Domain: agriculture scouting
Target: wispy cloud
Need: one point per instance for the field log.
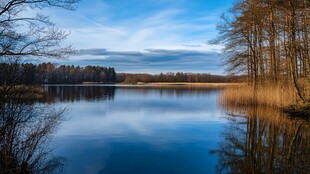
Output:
(152, 33)
(188, 45)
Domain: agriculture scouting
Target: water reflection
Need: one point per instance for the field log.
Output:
(263, 140)
(172, 129)
(68, 93)
(25, 130)
(144, 129)
(171, 90)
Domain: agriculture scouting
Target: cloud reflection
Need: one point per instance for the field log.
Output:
(141, 113)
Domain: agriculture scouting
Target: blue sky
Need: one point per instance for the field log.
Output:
(141, 36)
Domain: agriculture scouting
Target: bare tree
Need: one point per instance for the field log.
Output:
(23, 34)
(25, 126)
(269, 41)
(25, 129)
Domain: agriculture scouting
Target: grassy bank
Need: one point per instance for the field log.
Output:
(276, 96)
(273, 96)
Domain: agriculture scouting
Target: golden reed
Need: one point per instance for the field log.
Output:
(278, 96)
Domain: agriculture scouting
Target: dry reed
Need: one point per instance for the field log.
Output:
(279, 96)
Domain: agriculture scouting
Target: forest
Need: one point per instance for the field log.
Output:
(268, 41)
(49, 73)
(176, 77)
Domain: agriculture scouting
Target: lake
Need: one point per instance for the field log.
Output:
(172, 129)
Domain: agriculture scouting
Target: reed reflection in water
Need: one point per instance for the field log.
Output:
(26, 129)
(263, 140)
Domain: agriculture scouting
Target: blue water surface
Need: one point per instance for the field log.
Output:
(137, 129)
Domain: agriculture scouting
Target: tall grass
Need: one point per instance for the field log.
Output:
(278, 96)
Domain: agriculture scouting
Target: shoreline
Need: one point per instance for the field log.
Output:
(158, 84)
(191, 84)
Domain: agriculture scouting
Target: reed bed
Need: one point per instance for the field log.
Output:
(278, 96)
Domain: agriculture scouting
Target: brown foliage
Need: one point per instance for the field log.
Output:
(269, 42)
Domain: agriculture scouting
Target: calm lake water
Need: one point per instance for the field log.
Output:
(172, 129)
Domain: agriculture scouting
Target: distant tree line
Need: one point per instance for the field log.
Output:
(176, 77)
(269, 41)
(49, 73)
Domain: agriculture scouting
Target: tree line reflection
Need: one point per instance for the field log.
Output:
(67, 93)
(263, 140)
(172, 90)
(78, 93)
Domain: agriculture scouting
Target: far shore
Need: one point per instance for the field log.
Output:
(192, 84)
(165, 84)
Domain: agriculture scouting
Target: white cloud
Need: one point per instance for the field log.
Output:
(163, 29)
(97, 25)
